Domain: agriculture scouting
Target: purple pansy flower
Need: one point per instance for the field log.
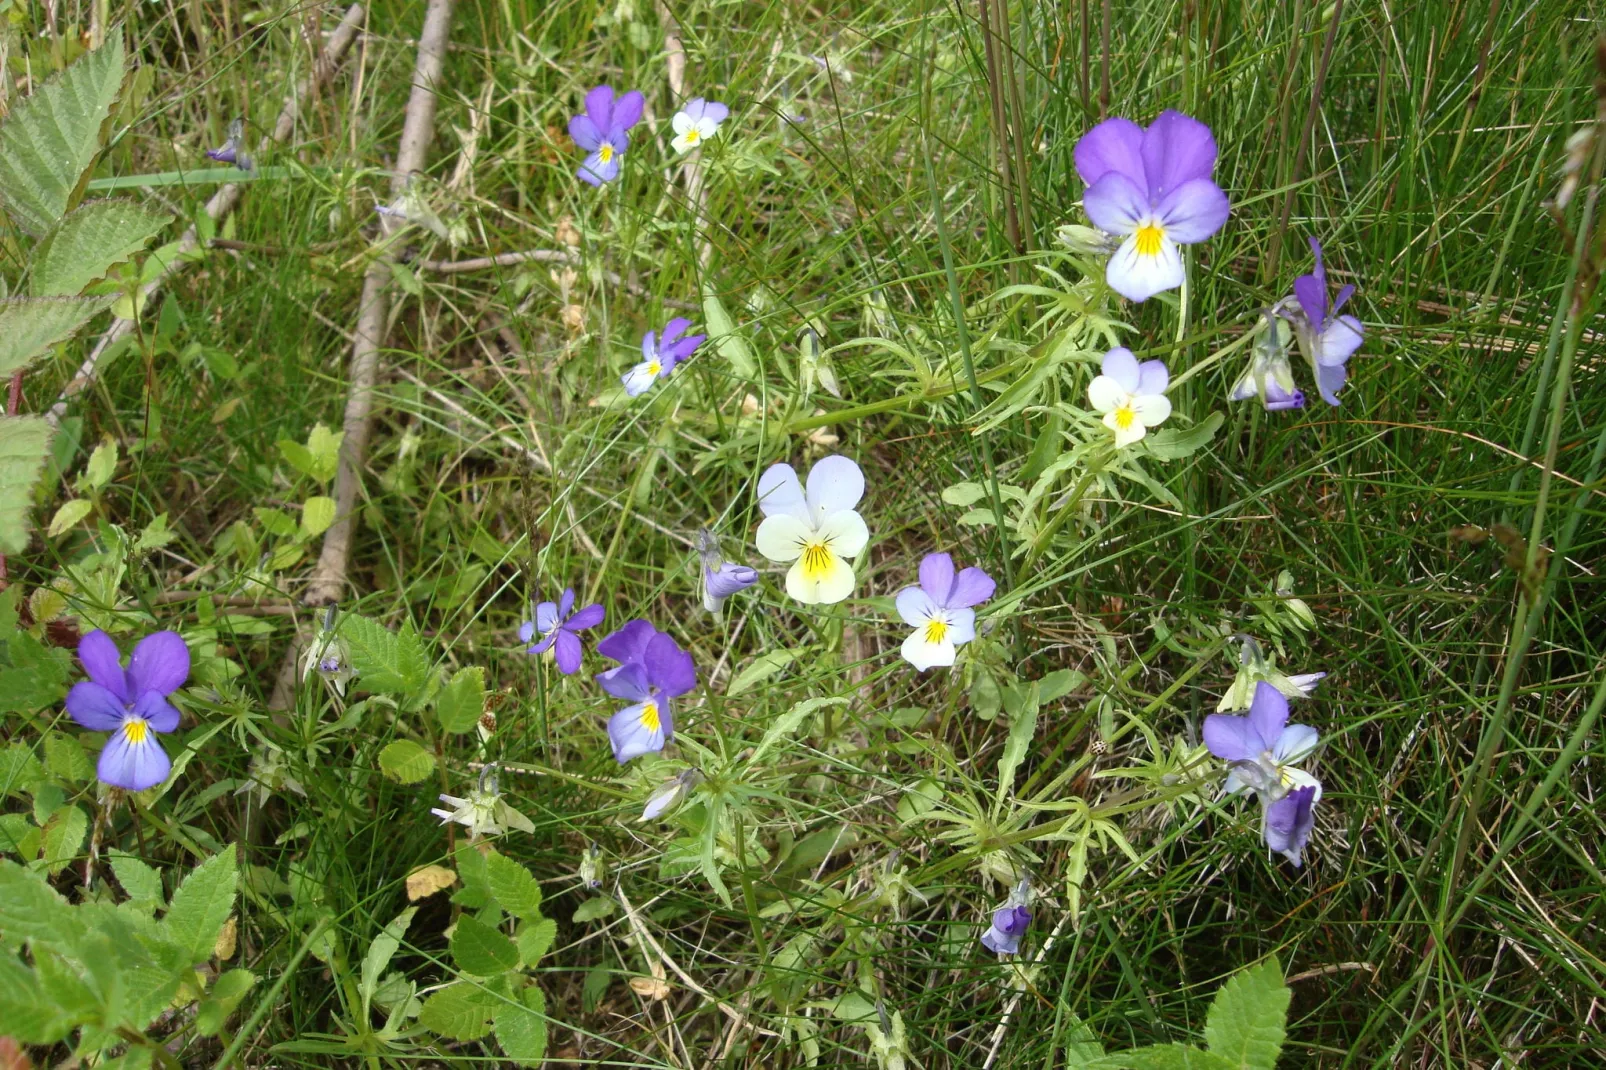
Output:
(1261, 749)
(658, 672)
(939, 610)
(233, 150)
(603, 130)
(558, 630)
(1009, 925)
(1268, 376)
(659, 355)
(1326, 338)
(131, 704)
(721, 579)
(1153, 188)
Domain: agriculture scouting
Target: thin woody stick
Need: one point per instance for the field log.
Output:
(329, 577)
(222, 203)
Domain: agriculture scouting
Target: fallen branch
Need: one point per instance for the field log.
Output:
(329, 577)
(222, 203)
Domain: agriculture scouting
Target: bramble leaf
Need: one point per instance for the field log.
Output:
(89, 241)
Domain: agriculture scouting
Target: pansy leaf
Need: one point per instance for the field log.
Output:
(1245, 1023)
(521, 1027)
(481, 950)
(726, 341)
(1175, 443)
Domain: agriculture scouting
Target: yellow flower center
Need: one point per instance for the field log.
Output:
(136, 730)
(936, 630)
(605, 153)
(649, 716)
(816, 560)
(692, 135)
(653, 368)
(1124, 417)
(1148, 237)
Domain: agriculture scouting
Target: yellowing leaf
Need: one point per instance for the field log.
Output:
(68, 516)
(425, 882)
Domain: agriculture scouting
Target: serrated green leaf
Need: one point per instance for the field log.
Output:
(406, 762)
(19, 769)
(462, 700)
(521, 1027)
(24, 441)
(760, 669)
(387, 663)
(19, 836)
(379, 954)
(722, 334)
(35, 678)
(32, 910)
(92, 238)
(1245, 1023)
(142, 883)
(535, 940)
(481, 950)
(65, 758)
(514, 889)
(461, 1011)
(1159, 1057)
(1174, 443)
(50, 138)
(202, 904)
(29, 326)
(62, 835)
(30, 1015)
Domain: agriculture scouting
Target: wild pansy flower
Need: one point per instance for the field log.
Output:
(603, 130)
(817, 530)
(720, 578)
(559, 630)
(661, 673)
(1130, 395)
(659, 355)
(131, 704)
(1255, 667)
(671, 793)
(483, 812)
(328, 656)
(1326, 338)
(939, 610)
(1261, 749)
(233, 150)
(1269, 376)
(1010, 922)
(695, 123)
(412, 206)
(1153, 188)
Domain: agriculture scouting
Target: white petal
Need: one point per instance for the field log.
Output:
(781, 537)
(915, 606)
(831, 582)
(1137, 277)
(1105, 394)
(1342, 337)
(923, 655)
(780, 492)
(683, 144)
(707, 127)
(835, 484)
(682, 122)
(1152, 409)
(845, 533)
(638, 379)
(961, 625)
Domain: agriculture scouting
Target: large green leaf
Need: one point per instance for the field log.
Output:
(202, 904)
(461, 1011)
(462, 700)
(1245, 1023)
(32, 910)
(86, 244)
(481, 950)
(29, 326)
(24, 440)
(514, 888)
(387, 663)
(725, 338)
(49, 140)
(521, 1027)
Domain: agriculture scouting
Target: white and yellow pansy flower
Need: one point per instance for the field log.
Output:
(817, 529)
